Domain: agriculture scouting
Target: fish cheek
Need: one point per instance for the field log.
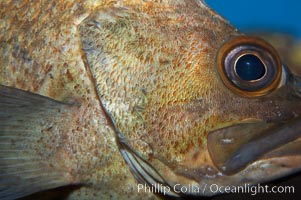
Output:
(123, 81)
(148, 84)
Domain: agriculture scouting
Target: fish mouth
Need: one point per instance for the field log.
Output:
(234, 148)
(242, 154)
(245, 153)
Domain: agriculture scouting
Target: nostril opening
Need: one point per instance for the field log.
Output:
(293, 82)
(297, 85)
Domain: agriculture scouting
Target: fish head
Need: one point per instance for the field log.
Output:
(192, 100)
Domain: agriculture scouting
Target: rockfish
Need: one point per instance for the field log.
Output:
(107, 95)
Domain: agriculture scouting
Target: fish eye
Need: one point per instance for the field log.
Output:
(249, 66)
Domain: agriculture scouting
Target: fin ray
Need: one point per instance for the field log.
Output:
(24, 167)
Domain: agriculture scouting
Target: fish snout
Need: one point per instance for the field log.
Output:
(234, 148)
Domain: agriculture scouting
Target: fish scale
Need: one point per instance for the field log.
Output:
(105, 95)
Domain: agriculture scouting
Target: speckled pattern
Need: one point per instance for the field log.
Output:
(151, 64)
(41, 52)
(150, 47)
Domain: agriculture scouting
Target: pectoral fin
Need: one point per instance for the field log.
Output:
(30, 151)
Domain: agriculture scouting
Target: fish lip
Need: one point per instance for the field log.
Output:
(263, 146)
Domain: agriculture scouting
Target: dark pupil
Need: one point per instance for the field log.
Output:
(249, 67)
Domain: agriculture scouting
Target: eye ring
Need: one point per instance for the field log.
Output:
(260, 66)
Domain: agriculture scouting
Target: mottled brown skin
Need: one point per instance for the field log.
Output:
(173, 97)
(40, 52)
(152, 66)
